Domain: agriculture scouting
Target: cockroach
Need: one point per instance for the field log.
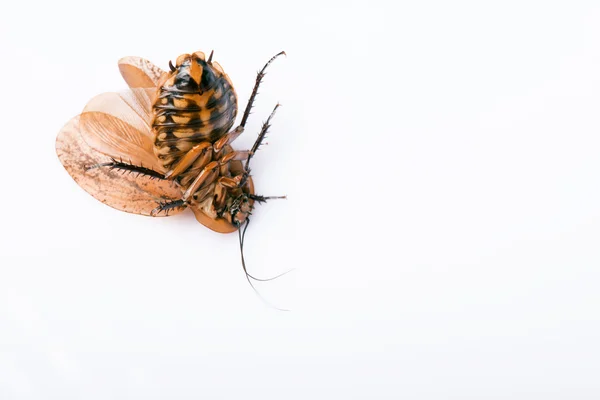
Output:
(164, 145)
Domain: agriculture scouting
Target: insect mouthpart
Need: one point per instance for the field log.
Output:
(240, 209)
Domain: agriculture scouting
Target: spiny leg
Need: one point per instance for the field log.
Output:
(163, 206)
(120, 165)
(206, 175)
(236, 132)
(261, 136)
(259, 77)
(263, 199)
(257, 143)
(167, 206)
(231, 136)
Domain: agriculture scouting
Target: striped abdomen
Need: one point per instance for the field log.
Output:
(196, 103)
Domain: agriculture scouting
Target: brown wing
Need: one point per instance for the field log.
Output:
(140, 73)
(119, 125)
(130, 193)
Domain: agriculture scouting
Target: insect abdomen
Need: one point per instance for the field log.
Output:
(196, 103)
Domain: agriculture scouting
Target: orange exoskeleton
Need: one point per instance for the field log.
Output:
(165, 144)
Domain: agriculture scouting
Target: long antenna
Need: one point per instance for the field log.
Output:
(242, 236)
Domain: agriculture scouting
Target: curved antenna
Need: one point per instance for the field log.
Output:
(244, 265)
(242, 236)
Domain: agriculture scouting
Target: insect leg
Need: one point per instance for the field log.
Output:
(235, 155)
(202, 149)
(259, 77)
(261, 136)
(263, 199)
(167, 206)
(123, 166)
(224, 183)
(207, 175)
(231, 136)
(225, 140)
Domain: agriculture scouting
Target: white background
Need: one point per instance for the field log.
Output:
(442, 165)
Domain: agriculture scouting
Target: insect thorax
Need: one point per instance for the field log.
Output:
(196, 103)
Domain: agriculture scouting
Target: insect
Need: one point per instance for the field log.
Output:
(165, 144)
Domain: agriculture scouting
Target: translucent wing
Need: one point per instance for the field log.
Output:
(129, 192)
(119, 125)
(140, 73)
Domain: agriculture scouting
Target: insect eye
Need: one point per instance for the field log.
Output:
(171, 66)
